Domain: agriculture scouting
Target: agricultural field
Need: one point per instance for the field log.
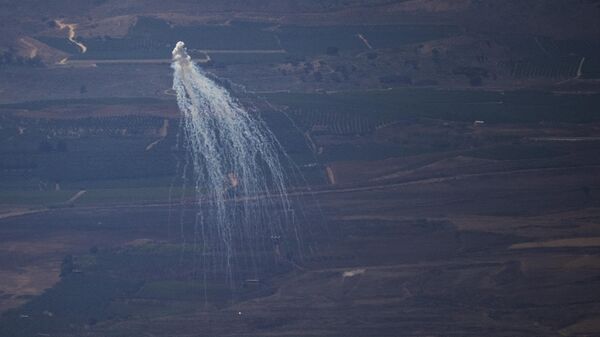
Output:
(442, 158)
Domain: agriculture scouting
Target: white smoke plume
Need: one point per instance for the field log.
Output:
(232, 155)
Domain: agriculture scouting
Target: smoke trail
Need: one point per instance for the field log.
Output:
(239, 181)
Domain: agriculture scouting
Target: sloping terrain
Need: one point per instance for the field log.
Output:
(449, 152)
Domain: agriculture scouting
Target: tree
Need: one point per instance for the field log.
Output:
(45, 146)
(66, 266)
(587, 191)
(61, 146)
(332, 51)
(476, 81)
(318, 76)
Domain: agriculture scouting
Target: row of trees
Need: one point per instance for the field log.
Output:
(46, 146)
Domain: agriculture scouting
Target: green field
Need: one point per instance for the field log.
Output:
(451, 105)
(109, 284)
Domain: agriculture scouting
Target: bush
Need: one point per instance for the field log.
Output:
(333, 51)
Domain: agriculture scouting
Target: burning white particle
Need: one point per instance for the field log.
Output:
(354, 272)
